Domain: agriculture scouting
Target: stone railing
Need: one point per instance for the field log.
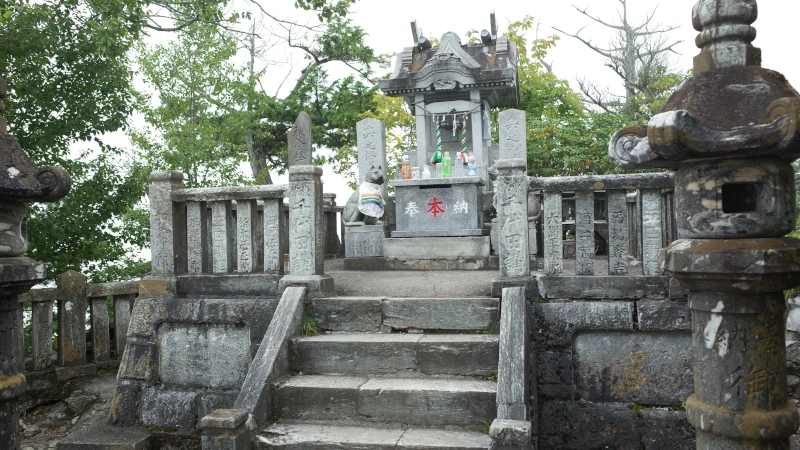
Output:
(629, 218)
(109, 306)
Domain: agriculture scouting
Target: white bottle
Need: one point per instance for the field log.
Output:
(458, 168)
(472, 171)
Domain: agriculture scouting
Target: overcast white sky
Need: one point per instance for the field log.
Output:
(388, 29)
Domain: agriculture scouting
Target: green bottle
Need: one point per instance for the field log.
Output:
(447, 166)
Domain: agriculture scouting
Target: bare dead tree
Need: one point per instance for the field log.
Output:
(638, 53)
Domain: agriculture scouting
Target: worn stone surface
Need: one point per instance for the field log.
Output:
(346, 313)
(427, 401)
(42, 334)
(253, 285)
(274, 242)
(71, 372)
(666, 430)
(163, 242)
(513, 370)
(512, 210)
(197, 244)
(571, 426)
(663, 315)
(510, 434)
(427, 206)
(552, 230)
(169, 409)
(365, 264)
(221, 236)
(416, 248)
(319, 437)
(203, 355)
(602, 287)
(474, 314)
(102, 436)
(318, 397)
(375, 354)
(651, 368)
(212, 401)
(101, 339)
(225, 418)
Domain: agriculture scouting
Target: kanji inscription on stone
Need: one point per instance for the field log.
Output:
(436, 207)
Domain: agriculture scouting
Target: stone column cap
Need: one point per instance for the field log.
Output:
(305, 170)
(224, 418)
(515, 163)
(166, 176)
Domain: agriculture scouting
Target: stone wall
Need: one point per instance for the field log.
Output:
(612, 373)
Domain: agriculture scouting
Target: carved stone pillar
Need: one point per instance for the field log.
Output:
(20, 182)
(731, 132)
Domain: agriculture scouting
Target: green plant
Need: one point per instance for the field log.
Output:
(309, 327)
(492, 376)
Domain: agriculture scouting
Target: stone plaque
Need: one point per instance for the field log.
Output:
(246, 233)
(617, 233)
(364, 241)
(302, 236)
(273, 239)
(513, 217)
(221, 236)
(196, 235)
(584, 233)
(300, 141)
(651, 231)
(203, 355)
(651, 368)
(513, 144)
(553, 256)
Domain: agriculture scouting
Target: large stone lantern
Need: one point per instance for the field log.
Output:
(731, 133)
(20, 182)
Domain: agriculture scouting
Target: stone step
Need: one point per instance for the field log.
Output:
(420, 401)
(102, 436)
(373, 314)
(388, 354)
(327, 437)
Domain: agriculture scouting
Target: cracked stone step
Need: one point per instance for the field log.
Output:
(328, 437)
(418, 401)
(369, 314)
(388, 354)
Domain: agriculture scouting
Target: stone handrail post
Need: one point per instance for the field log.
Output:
(306, 226)
(166, 243)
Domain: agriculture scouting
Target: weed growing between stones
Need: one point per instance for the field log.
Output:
(309, 327)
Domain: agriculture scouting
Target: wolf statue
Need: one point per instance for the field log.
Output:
(366, 205)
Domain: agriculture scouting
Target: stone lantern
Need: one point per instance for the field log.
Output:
(20, 182)
(731, 133)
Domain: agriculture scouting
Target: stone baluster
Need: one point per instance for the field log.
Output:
(274, 224)
(196, 236)
(584, 233)
(552, 230)
(22, 182)
(246, 235)
(617, 219)
(123, 304)
(42, 334)
(651, 231)
(512, 195)
(222, 236)
(71, 319)
(101, 338)
(306, 231)
(734, 201)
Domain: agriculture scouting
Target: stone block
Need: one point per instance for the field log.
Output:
(557, 322)
(444, 247)
(652, 368)
(474, 314)
(169, 409)
(203, 355)
(528, 282)
(512, 382)
(224, 418)
(125, 403)
(554, 374)
(316, 285)
(570, 426)
(602, 287)
(138, 362)
(71, 297)
(511, 434)
(666, 430)
(663, 315)
(349, 314)
(318, 397)
(255, 312)
(411, 401)
(364, 241)
(440, 264)
(372, 263)
(212, 401)
(475, 355)
(355, 354)
(448, 206)
(244, 284)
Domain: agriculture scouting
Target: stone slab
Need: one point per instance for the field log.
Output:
(436, 247)
(370, 263)
(364, 241)
(425, 206)
(203, 355)
(346, 313)
(68, 373)
(257, 285)
(569, 426)
(663, 315)
(463, 232)
(473, 314)
(511, 434)
(602, 287)
(318, 397)
(102, 436)
(557, 322)
(666, 430)
(650, 368)
(169, 409)
(355, 354)
(475, 355)
(472, 264)
(212, 401)
(512, 380)
(316, 285)
(420, 438)
(427, 401)
(326, 437)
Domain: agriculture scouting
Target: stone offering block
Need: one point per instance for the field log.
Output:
(653, 368)
(204, 355)
(439, 207)
(364, 241)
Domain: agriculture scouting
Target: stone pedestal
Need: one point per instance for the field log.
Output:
(439, 207)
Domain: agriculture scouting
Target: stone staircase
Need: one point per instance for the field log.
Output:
(390, 373)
